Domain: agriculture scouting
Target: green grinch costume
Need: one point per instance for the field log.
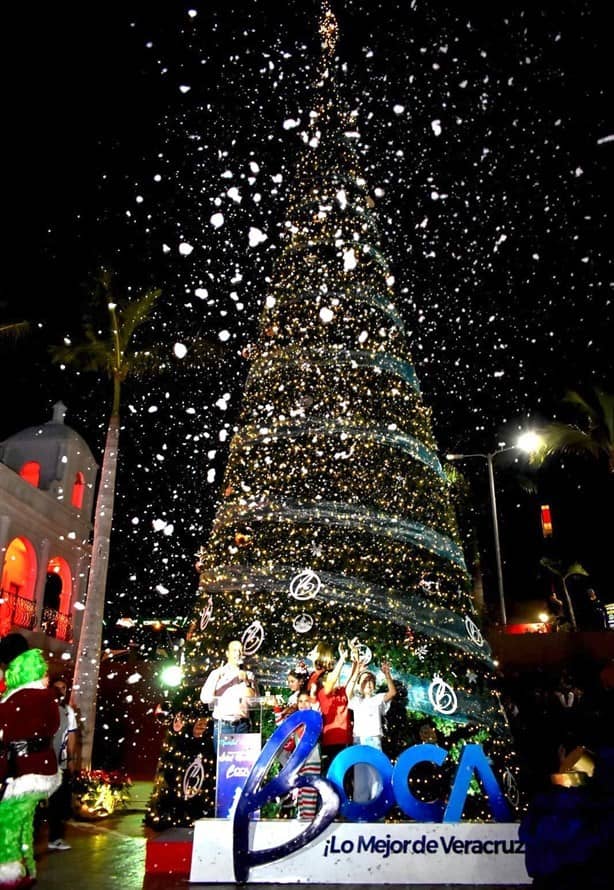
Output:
(29, 716)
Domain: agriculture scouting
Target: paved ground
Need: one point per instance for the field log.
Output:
(110, 855)
(104, 855)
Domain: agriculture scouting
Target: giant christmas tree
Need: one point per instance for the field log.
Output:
(335, 518)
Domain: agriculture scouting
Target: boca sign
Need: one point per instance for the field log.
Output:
(334, 801)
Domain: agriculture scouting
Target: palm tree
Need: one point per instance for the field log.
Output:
(557, 569)
(593, 436)
(110, 354)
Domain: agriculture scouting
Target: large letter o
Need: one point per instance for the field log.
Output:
(372, 810)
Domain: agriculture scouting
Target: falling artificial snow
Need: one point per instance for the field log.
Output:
(487, 109)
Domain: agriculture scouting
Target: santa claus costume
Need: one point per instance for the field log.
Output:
(29, 717)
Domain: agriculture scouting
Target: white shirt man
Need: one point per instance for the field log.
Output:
(65, 747)
(229, 688)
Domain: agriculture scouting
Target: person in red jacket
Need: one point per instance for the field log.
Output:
(332, 698)
(29, 717)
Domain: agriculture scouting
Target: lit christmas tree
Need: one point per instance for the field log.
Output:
(335, 521)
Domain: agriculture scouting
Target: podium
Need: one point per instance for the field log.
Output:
(235, 756)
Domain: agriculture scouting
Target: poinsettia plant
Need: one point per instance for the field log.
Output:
(98, 793)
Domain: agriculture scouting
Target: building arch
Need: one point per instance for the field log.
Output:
(31, 472)
(57, 599)
(78, 490)
(18, 583)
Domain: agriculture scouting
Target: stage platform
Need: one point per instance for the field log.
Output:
(170, 852)
(424, 855)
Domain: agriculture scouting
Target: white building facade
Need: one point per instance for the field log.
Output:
(47, 489)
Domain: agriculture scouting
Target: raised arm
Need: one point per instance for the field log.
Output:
(332, 678)
(392, 689)
(350, 686)
(313, 685)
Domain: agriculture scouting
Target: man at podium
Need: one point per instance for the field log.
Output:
(228, 689)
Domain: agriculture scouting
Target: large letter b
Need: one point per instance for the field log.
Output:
(252, 796)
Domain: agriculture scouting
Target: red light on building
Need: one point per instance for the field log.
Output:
(529, 627)
(546, 517)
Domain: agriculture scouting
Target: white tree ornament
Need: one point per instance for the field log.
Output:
(473, 632)
(442, 696)
(252, 638)
(303, 623)
(360, 652)
(193, 778)
(206, 614)
(305, 585)
(510, 788)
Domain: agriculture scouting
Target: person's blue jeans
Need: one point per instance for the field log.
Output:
(367, 783)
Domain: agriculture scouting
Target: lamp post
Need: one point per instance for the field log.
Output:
(489, 457)
(527, 442)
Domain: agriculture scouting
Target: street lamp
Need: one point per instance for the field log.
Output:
(527, 442)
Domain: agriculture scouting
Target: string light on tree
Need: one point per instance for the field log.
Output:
(333, 469)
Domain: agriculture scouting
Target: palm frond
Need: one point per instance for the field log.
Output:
(606, 403)
(527, 485)
(561, 569)
(110, 353)
(92, 354)
(14, 330)
(576, 569)
(584, 407)
(133, 313)
(559, 438)
(552, 565)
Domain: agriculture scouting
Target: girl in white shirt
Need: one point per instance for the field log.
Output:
(368, 708)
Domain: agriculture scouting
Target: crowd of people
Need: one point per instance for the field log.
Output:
(561, 723)
(584, 612)
(351, 709)
(563, 728)
(547, 710)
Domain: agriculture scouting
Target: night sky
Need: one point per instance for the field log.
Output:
(152, 141)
